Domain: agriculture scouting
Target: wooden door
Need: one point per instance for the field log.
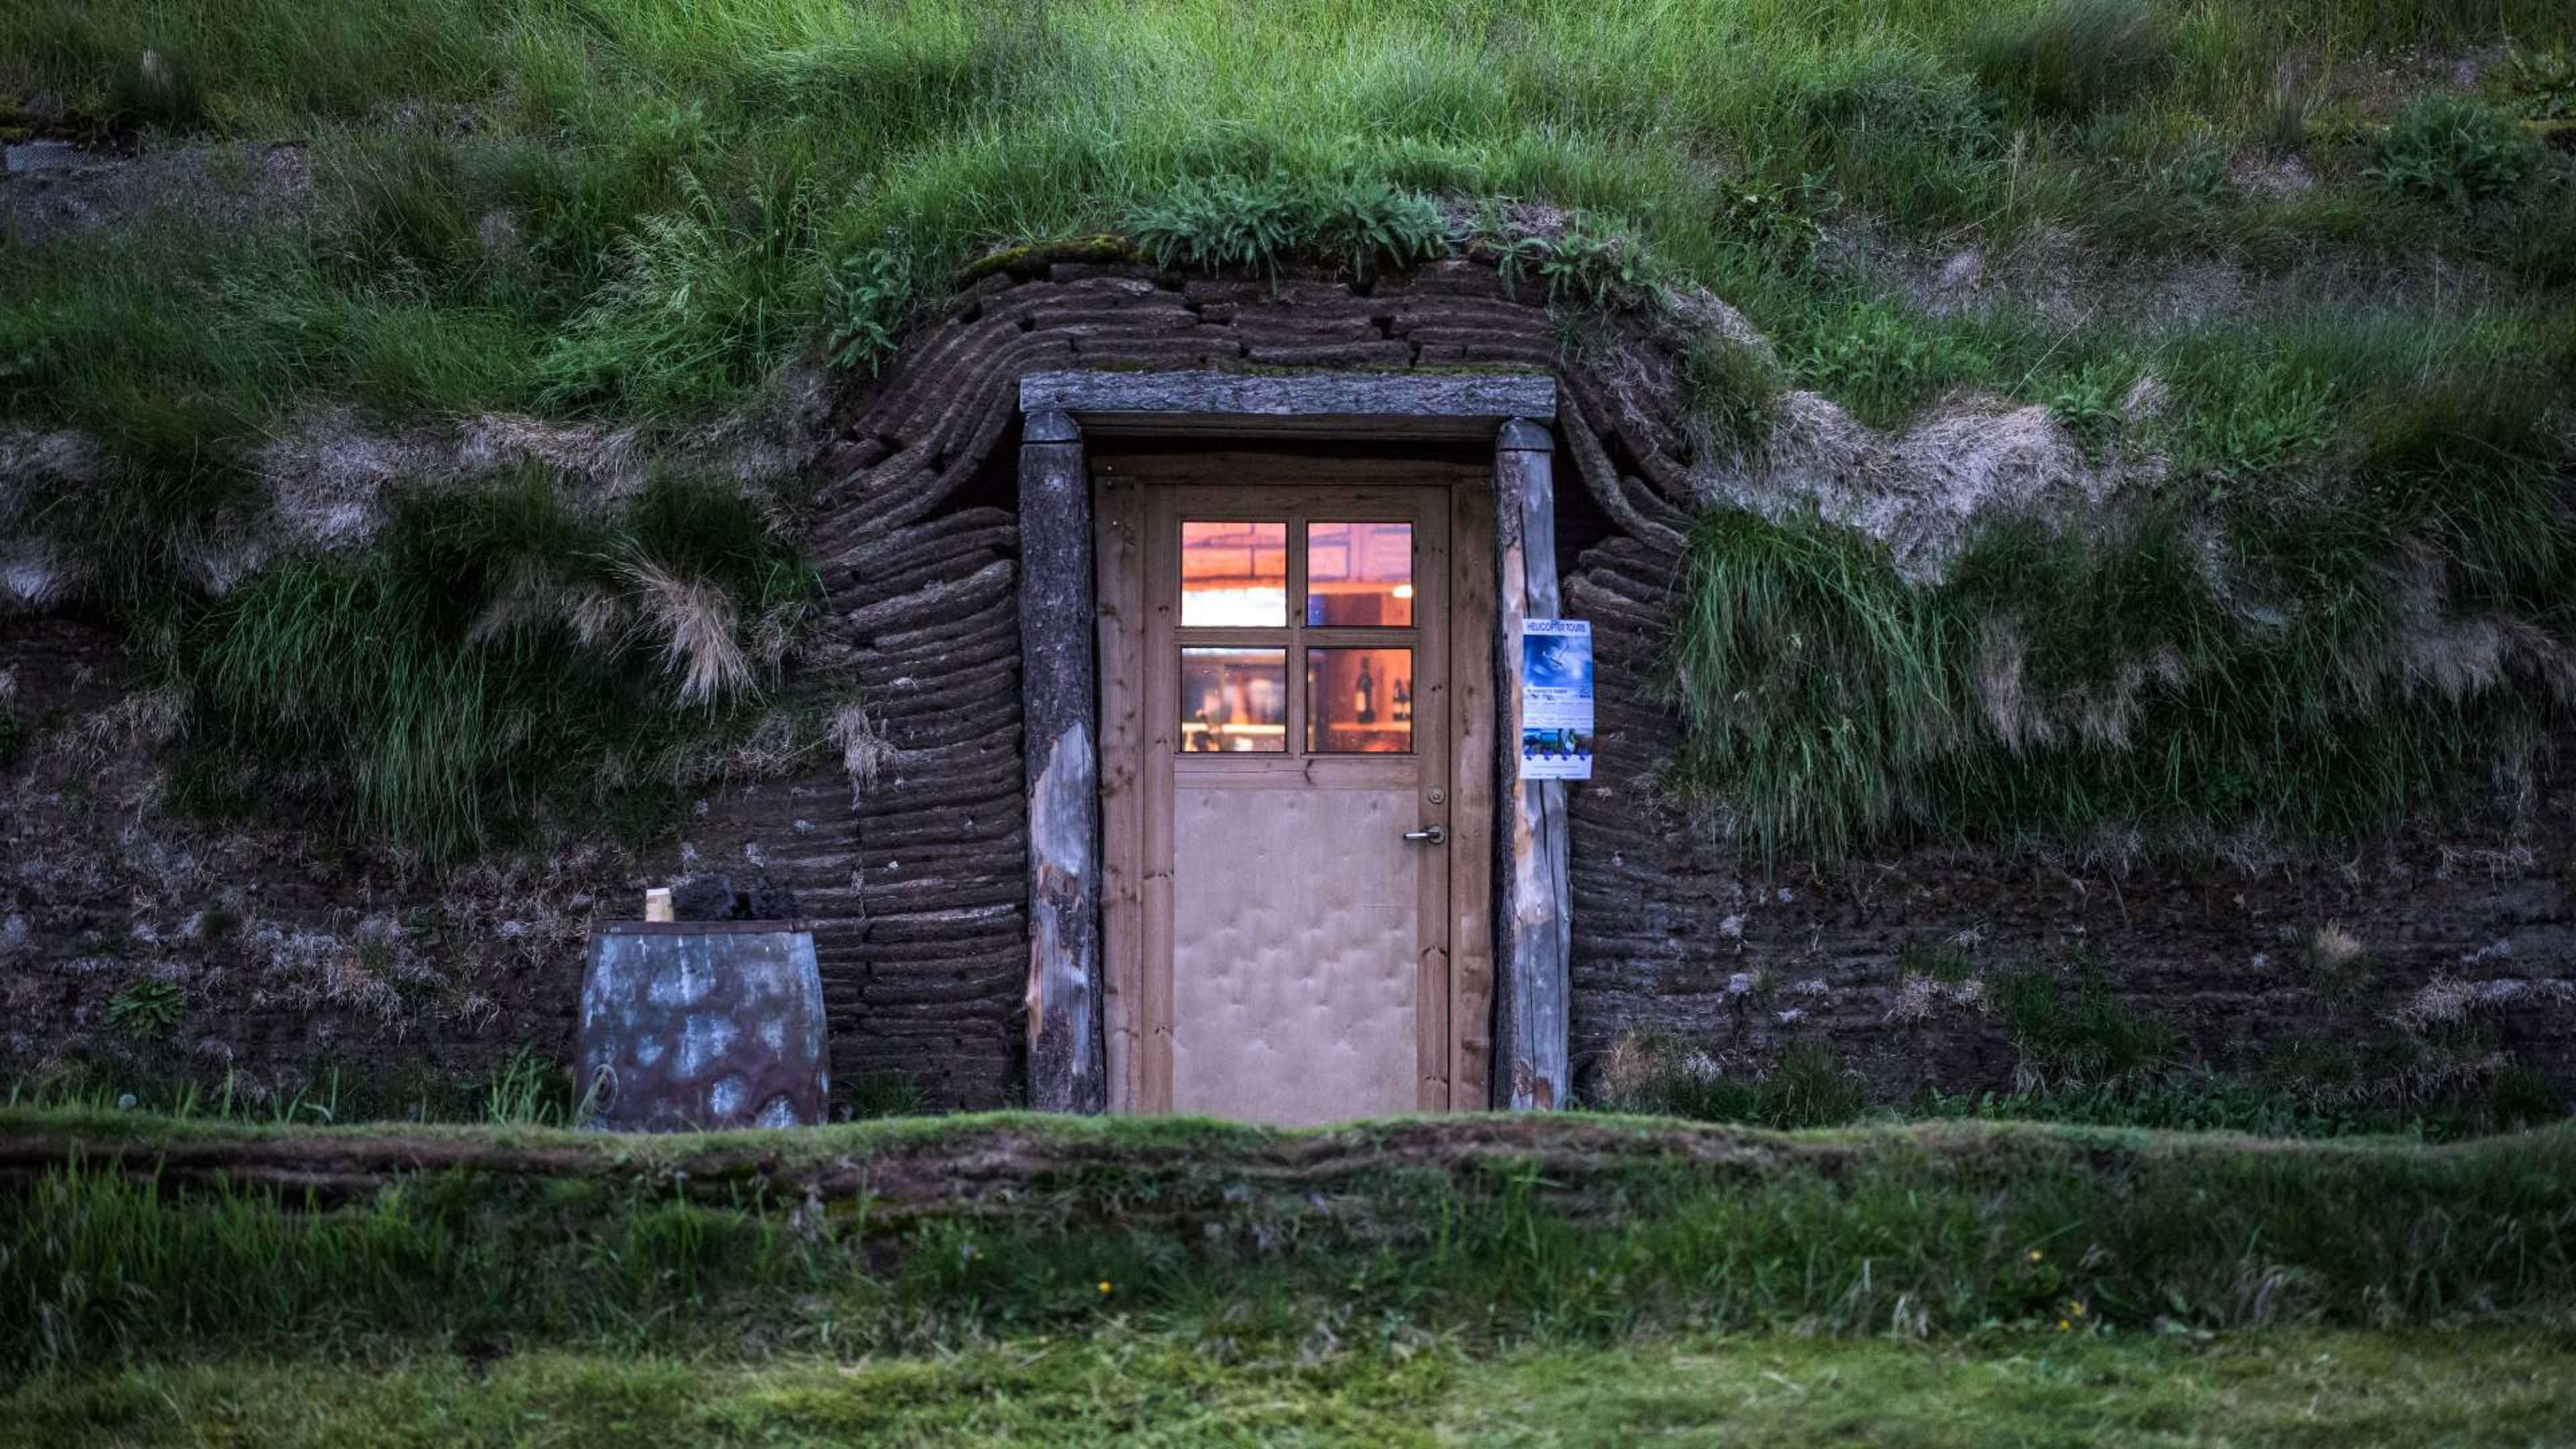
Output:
(1296, 816)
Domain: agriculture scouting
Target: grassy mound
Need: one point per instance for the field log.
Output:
(167, 1238)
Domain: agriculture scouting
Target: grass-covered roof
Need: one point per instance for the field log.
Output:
(2301, 276)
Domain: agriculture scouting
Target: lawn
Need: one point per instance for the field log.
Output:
(1486, 1278)
(1344, 1383)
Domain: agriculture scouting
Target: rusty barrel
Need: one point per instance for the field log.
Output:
(702, 1024)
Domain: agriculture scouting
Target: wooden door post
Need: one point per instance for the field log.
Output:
(1533, 939)
(1068, 1068)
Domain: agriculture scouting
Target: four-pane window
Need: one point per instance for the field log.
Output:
(1297, 635)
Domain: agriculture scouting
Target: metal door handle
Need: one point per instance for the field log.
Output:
(1431, 834)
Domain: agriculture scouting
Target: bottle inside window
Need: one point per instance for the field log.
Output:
(1359, 701)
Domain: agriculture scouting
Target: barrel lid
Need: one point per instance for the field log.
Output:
(696, 928)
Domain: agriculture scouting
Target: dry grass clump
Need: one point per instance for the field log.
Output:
(2103, 712)
(1635, 1064)
(497, 650)
(143, 720)
(695, 622)
(1650, 1071)
(2339, 963)
(865, 750)
(2448, 1000)
(2333, 948)
(1920, 998)
(307, 970)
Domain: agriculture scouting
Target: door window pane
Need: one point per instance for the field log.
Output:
(1359, 573)
(1234, 575)
(1234, 699)
(1359, 701)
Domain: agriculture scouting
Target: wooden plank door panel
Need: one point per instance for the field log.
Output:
(1276, 949)
(1304, 967)
(1297, 919)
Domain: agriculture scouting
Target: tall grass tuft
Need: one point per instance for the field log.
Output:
(2078, 1032)
(2057, 686)
(1812, 680)
(496, 652)
(2455, 152)
(2073, 58)
(703, 305)
(1235, 223)
(1734, 391)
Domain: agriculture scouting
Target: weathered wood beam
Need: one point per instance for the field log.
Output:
(1344, 404)
(1533, 937)
(1068, 1069)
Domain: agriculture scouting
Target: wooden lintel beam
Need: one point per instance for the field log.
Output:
(1372, 404)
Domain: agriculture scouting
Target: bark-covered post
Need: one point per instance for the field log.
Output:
(1068, 1068)
(1533, 935)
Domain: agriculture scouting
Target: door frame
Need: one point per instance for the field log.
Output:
(1454, 992)
(1509, 1010)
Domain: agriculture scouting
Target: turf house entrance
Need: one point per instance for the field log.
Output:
(1295, 721)
(1027, 885)
(1268, 622)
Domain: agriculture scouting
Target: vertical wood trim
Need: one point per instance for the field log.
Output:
(1060, 687)
(1161, 683)
(1434, 744)
(1118, 543)
(1472, 763)
(1534, 928)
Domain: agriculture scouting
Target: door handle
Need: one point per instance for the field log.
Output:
(1428, 834)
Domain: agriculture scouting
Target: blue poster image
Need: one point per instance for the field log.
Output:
(1556, 699)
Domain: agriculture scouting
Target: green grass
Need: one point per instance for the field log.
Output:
(646, 211)
(2086, 1056)
(682, 1245)
(2071, 1027)
(1806, 1086)
(1811, 677)
(1231, 224)
(495, 653)
(1357, 1383)
(2056, 686)
(146, 1009)
(2279, 1104)
(2073, 58)
(683, 186)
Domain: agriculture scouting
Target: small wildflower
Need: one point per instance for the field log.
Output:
(1104, 1285)
(2063, 1325)
(2076, 1308)
(2034, 1255)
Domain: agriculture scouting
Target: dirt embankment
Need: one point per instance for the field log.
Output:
(1016, 1166)
(942, 1170)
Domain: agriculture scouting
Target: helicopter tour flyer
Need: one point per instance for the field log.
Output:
(1556, 699)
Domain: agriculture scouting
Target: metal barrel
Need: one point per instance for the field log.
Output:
(689, 1025)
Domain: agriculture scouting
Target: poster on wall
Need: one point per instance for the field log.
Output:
(1556, 699)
